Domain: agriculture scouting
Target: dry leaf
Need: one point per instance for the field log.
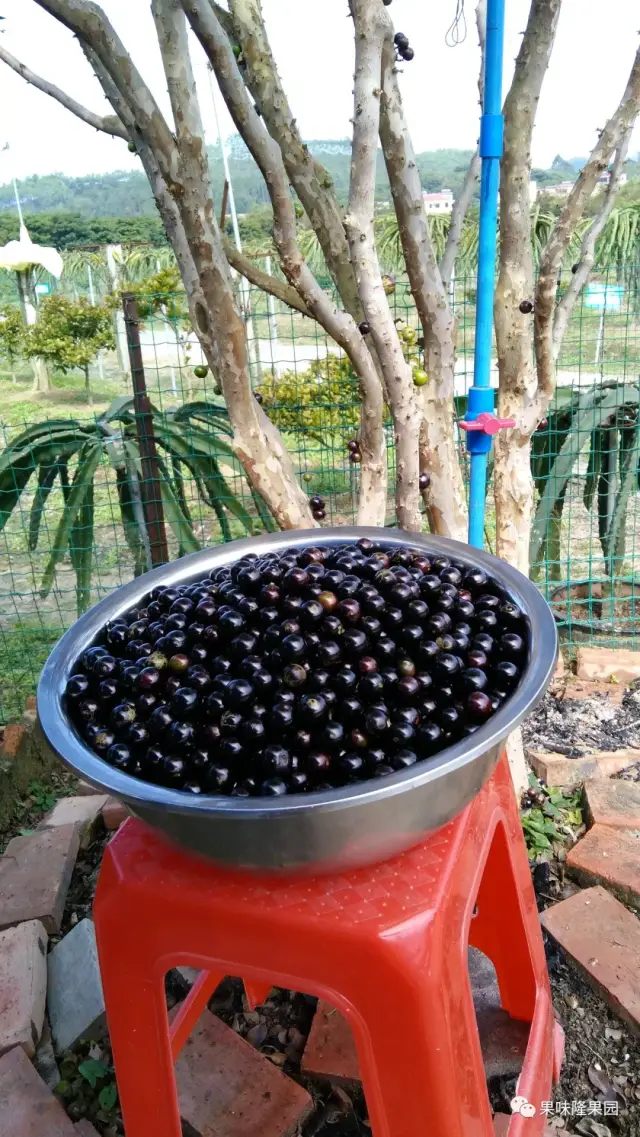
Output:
(277, 1058)
(601, 1081)
(614, 1035)
(590, 1128)
(343, 1098)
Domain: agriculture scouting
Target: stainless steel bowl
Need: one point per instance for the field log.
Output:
(324, 831)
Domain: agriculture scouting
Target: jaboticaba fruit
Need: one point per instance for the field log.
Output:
(300, 671)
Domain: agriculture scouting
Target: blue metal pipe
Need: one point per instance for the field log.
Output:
(481, 395)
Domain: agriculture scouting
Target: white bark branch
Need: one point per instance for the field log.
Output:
(621, 121)
(109, 124)
(370, 30)
(444, 497)
(465, 197)
(513, 486)
(307, 175)
(339, 325)
(91, 25)
(579, 278)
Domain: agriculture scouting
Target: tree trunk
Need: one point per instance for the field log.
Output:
(29, 308)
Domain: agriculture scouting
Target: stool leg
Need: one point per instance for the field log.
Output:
(503, 927)
(418, 1049)
(133, 985)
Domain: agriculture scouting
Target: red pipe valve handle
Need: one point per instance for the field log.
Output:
(487, 423)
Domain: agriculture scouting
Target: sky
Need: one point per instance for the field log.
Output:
(313, 44)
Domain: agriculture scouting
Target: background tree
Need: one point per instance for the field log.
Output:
(12, 337)
(69, 334)
(174, 158)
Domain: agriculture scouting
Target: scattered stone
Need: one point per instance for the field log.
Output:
(35, 872)
(44, 1059)
(603, 938)
(23, 985)
(610, 857)
(84, 811)
(84, 1128)
(27, 1107)
(114, 812)
(75, 1001)
(614, 803)
(228, 1089)
(573, 688)
(557, 770)
(621, 664)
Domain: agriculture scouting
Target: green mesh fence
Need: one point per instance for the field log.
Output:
(87, 507)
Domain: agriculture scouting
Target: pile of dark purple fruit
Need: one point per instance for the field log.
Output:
(300, 670)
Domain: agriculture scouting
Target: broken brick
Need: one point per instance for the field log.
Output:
(330, 1051)
(114, 812)
(35, 873)
(27, 1106)
(228, 1089)
(603, 939)
(608, 663)
(11, 739)
(84, 811)
(558, 770)
(610, 857)
(614, 803)
(23, 985)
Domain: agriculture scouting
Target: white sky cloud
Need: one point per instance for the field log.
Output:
(313, 43)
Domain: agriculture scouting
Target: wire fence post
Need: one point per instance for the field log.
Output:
(150, 486)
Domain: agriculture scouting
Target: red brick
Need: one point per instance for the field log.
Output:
(330, 1051)
(114, 812)
(11, 739)
(35, 872)
(610, 857)
(614, 803)
(27, 1107)
(557, 770)
(605, 663)
(23, 985)
(603, 938)
(228, 1089)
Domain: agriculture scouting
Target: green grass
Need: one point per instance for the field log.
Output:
(24, 648)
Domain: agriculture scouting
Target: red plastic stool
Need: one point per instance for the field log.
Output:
(386, 944)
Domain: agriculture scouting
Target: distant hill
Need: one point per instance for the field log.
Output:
(103, 198)
(127, 194)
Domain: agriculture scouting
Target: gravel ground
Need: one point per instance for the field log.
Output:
(574, 727)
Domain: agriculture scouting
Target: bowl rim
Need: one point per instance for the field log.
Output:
(67, 743)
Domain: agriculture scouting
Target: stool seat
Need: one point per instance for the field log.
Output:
(386, 944)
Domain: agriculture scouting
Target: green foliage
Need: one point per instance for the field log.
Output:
(320, 401)
(12, 334)
(195, 437)
(161, 294)
(87, 1085)
(69, 333)
(602, 422)
(549, 819)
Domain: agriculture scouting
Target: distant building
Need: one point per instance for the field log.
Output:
(604, 180)
(563, 189)
(438, 202)
(533, 191)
